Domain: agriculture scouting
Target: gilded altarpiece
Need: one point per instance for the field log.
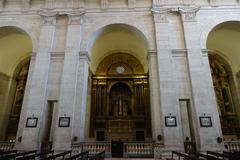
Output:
(120, 106)
(224, 90)
(20, 81)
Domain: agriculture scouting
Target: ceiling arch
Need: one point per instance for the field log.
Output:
(117, 38)
(225, 39)
(15, 46)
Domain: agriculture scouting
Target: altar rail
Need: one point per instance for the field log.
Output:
(138, 149)
(130, 149)
(6, 146)
(92, 147)
(232, 146)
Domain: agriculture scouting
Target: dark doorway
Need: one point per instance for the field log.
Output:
(140, 136)
(100, 136)
(117, 149)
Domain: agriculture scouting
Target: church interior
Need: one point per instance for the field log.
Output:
(134, 79)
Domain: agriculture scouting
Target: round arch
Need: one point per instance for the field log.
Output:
(207, 29)
(117, 38)
(16, 45)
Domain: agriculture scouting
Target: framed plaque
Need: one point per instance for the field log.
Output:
(170, 121)
(64, 122)
(31, 122)
(205, 121)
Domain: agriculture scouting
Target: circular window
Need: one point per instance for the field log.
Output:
(120, 69)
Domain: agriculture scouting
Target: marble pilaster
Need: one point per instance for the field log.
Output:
(169, 104)
(35, 104)
(68, 90)
(156, 114)
(203, 96)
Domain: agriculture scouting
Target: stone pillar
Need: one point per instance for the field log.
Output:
(68, 106)
(203, 100)
(36, 101)
(156, 114)
(172, 136)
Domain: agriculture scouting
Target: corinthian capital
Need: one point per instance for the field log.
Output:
(160, 14)
(49, 18)
(189, 13)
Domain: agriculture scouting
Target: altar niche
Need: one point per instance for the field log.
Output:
(120, 107)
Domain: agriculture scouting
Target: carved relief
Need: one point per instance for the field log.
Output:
(49, 19)
(121, 59)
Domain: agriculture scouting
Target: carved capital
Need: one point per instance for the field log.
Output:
(49, 18)
(104, 4)
(26, 4)
(75, 19)
(189, 13)
(160, 14)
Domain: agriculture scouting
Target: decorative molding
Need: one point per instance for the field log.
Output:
(205, 52)
(26, 4)
(160, 14)
(104, 4)
(131, 4)
(84, 55)
(57, 55)
(179, 52)
(189, 13)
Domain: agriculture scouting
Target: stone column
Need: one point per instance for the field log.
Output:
(203, 97)
(36, 101)
(68, 89)
(168, 94)
(156, 114)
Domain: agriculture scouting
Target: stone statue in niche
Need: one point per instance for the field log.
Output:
(121, 107)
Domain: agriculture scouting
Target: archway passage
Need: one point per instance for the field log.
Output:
(15, 49)
(120, 108)
(224, 62)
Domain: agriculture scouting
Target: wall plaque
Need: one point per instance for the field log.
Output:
(64, 122)
(205, 121)
(31, 122)
(170, 121)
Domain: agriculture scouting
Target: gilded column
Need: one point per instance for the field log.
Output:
(202, 91)
(69, 90)
(36, 101)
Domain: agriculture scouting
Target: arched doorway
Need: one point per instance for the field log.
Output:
(224, 63)
(15, 49)
(120, 105)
